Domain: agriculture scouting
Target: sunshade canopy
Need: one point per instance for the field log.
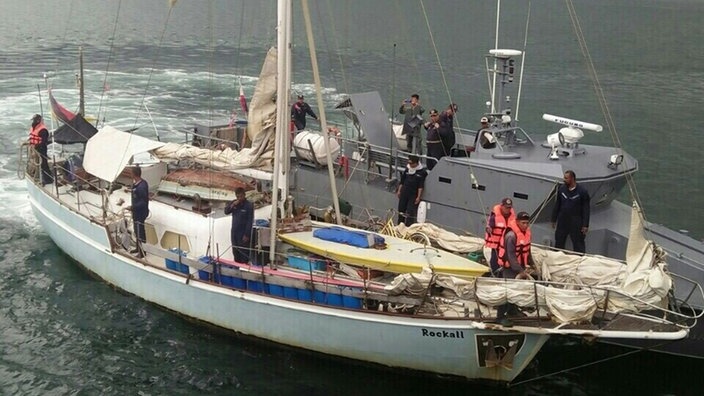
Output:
(109, 151)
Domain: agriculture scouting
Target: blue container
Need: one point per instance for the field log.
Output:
(172, 265)
(305, 263)
(276, 290)
(184, 269)
(203, 275)
(291, 292)
(305, 295)
(175, 265)
(334, 299)
(239, 283)
(319, 297)
(233, 281)
(227, 280)
(255, 286)
(351, 302)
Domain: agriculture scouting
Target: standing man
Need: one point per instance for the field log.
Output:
(242, 219)
(299, 111)
(435, 147)
(514, 257)
(447, 128)
(39, 140)
(499, 219)
(571, 213)
(410, 190)
(411, 123)
(140, 208)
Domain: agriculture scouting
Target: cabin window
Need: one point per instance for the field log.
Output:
(174, 240)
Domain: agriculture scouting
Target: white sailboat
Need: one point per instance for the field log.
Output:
(318, 303)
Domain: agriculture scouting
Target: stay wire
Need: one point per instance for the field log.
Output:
(591, 69)
(156, 58)
(111, 54)
(581, 366)
(449, 96)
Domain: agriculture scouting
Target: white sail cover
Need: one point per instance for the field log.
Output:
(640, 283)
(261, 128)
(110, 150)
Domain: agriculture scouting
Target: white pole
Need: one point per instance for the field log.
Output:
(281, 152)
(321, 109)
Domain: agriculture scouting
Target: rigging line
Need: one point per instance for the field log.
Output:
(600, 95)
(156, 57)
(408, 33)
(625, 354)
(449, 96)
(343, 74)
(523, 62)
(111, 54)
(437, 54)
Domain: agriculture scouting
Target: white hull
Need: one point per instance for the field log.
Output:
(444, 346)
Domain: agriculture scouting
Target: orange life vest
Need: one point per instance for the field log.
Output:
(34, 138)
(500, 223)
(522, 247)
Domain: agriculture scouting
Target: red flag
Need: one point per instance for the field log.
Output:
(58, 111)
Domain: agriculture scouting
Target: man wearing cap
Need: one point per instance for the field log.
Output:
(411, 123)
(514, 257)
(39, 140)
(481, 135)
(500, 217)
(410, 190)
(570, 216)
(435, 146)
(299, 111)
(447, 128)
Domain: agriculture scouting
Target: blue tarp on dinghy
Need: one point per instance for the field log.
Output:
(349, 237)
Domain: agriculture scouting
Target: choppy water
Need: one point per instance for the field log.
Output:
(62, 332)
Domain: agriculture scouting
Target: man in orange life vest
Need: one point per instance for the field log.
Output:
(514, 257)
(39, 140)
(500, 217)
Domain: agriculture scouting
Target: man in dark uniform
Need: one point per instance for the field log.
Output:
(447, 128)
(39, 139)
(242, 220)
(139, 207)
(570, 216)
(435, 147)
(299, 111)
(410, 190)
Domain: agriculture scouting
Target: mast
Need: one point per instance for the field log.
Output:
(281, 140)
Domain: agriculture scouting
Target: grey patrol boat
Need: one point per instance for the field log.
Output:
(503, 161)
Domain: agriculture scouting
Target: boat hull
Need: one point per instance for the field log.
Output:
(444, 346)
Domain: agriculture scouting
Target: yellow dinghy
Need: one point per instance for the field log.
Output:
(396, 255)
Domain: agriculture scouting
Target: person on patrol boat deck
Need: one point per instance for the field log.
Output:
(39, 140)
(410, 190)
(500, 217)
(514, 257)
(570, 216)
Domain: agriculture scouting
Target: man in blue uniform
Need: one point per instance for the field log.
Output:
(242, 218)
(570, 216)
(139, 207)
